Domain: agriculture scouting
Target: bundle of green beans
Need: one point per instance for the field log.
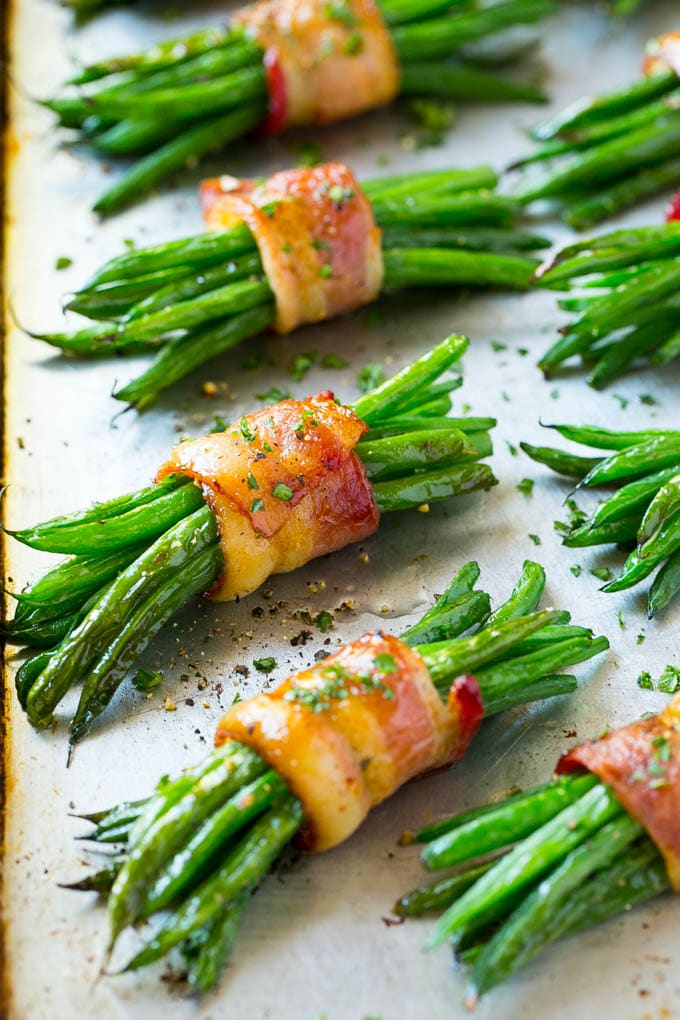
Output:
(608, 153)
(564, 856)
(181, 99)
(202, 843)
(193, 299)
(643, 512)
(626, 305)
(134, 561)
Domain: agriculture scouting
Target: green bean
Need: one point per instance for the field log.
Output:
(665, 503)
(215, 949)
(189, 145)
(413, 423)
(181, 356)
(585, 112)
(249, 801)
(521, 936)
(635, 497)
(244, 868)
(606, 439)
(665, 586)
(100, 882)
(143, 522)
(439, 894)
(487, 899)
(612, 159)
(524, 597)
(161, 840)
(431, 486)
(449, 621)
(624, 530)
(187, 254)
(551, 686)
(104, 511)
(445, 661)
(385, 400)
(461, 81)
(445, 825)
(622, 353)
(501, 678)
(654, 454)
(196, 285)
(197, 575)
(504, 824)
(621, 195)
(147, 574)
(568, 464)
(398, 456)
(420, 267)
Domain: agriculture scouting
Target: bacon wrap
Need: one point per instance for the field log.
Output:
(318, 239)
(324, 61)
(326, 501)
(663, 54)
(642, 764)
(351, 730)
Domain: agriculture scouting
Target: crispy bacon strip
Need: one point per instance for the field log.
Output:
(351, 730)
(663, 54)
(315, 230)
(285, 487)
(324, 61)
(642, 764)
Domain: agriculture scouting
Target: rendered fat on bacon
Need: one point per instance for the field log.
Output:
(663, 54)
(285, 486)
(324, 61)
(316, 234)
(351, 730)
(641, 763)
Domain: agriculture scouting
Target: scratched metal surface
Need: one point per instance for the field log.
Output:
(313, 942)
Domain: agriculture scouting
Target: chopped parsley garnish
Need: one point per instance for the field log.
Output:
(333, 361)
(302, 364)
(434, 117)
(370, 376)
(252, 481)
(257, 504)
(339, 10)
(320, 245)
(536, 539)
(246, 430)
(576, 569)
(147, 680)
(324, 621)
(511, 447)
(308, 153)
(526, 486)
(265, 665)
(283, 492)
(306, 418)
(498, 346)
(338, 194)
(354, 44)
(219, 425)
(273, 395)
(647, 399)
(602, 573)
(669, 681)
(63, 262)
(339, 683)
(325, 271)
(645, 681)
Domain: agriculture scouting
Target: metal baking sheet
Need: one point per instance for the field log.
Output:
(314, 943)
